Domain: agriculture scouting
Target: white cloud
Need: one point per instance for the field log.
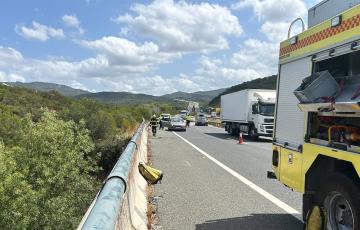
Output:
(275, 32)
(4, 77)
(154, 85)
(278, 31)
(134, 77)
(9, 56)
(77, 85)
(185, 83)
(275, 16)
(175, 28)
(130, 76)
(100, 72)
(212, 74)
(183, 27)
(120, 51)
(274, 10)
(73, 21)
(39, 32)
(260, 56)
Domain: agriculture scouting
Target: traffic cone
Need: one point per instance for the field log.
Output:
(241, 139)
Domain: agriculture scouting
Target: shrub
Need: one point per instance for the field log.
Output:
(45, 181)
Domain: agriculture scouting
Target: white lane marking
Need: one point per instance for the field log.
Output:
(187, 163)
(253, 186)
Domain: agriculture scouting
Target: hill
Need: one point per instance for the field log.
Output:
(211, 93)
(260, 83)
(46, 87)
(200, 96)
(131, 98)
(122, 98)
(119, 97)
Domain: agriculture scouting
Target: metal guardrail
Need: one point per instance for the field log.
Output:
(108, 203)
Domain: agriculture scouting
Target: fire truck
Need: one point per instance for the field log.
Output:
(316, 141)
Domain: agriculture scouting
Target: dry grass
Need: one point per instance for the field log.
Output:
(151, 207)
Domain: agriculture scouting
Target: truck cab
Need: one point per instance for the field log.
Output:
(262, 116)
(316, 141)
(249, 111)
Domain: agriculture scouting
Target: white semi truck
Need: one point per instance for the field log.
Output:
(249, 111)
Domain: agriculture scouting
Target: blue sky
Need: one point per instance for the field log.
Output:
(153, 47)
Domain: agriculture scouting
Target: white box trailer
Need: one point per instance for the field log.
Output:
(249, 111)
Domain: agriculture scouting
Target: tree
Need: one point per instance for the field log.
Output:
(102, 125)
(18, 200)
(9, 126)
(45, 182)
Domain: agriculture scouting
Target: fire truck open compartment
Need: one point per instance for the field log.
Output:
(340, 132)
(345, 69)
(336, 123)
(344, 66)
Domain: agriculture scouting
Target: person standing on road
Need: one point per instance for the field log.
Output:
(161, 125)
(188, 120)
(153, 124)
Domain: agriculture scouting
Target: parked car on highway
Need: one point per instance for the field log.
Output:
(177, 123)
(165, 119)
(165, 116)
(183, 113)
(201, 120)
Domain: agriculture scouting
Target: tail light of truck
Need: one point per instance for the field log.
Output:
(275, 158)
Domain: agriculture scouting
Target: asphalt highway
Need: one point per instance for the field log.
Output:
(212, 182)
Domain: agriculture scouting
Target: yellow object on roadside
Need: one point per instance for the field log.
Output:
(316, 219)
(151, 175)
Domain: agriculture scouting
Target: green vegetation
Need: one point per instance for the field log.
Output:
(123, 98)
(45, 177)
(260, 83)
(54, 153)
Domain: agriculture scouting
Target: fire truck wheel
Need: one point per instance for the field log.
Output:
(341, 201)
